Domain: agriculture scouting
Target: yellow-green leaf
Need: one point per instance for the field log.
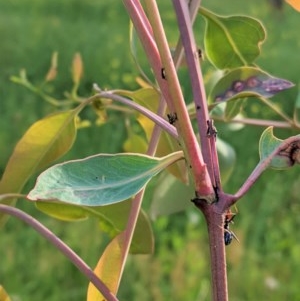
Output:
(232, 41)
(108, 269)
(45, 141)
(3, 294)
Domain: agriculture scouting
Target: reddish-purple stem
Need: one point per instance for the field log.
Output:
(60, 245)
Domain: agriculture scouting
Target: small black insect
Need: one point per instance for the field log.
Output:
(228, 234)
(163, 73)
(211, 129)
(172, 118)
(200, 53)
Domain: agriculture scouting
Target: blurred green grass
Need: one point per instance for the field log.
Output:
(265, 265)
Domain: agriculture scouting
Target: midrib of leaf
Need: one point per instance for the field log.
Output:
(211, 16)
(147, 174)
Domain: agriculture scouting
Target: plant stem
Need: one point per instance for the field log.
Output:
(215, 226)
(60, 245)
(196, 78)
(193, 12)
(176, 105)
(154, 117)
(138, 199)
(262, 166)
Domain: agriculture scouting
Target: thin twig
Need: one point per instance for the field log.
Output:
(151, 115)
(261, 167)
(60, 245)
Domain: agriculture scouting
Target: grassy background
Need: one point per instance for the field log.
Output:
(265, 265)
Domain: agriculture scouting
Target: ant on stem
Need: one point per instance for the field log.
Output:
(228, 234)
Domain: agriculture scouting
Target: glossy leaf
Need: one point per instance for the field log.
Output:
(245, 82)
(112, 220)
(109, 268)
(232, 41)
(284, 158)
(45, 141)
(99, 180)
(294, 3)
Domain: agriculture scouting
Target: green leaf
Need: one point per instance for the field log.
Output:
(227, 158)
(170, 196)
(233, 41)
(112, 220)
(233, 108)
(286, 157)
(245, 82)
(99, 180)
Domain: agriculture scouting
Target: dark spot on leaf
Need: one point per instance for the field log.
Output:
(253, 82)
(238, 86)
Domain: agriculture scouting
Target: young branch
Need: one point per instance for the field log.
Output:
(154, 117)
(138, 199)
(177, 106)
(263, 164)
(60, 245)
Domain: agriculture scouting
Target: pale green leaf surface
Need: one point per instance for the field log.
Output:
(99, 180)
(232, 41)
